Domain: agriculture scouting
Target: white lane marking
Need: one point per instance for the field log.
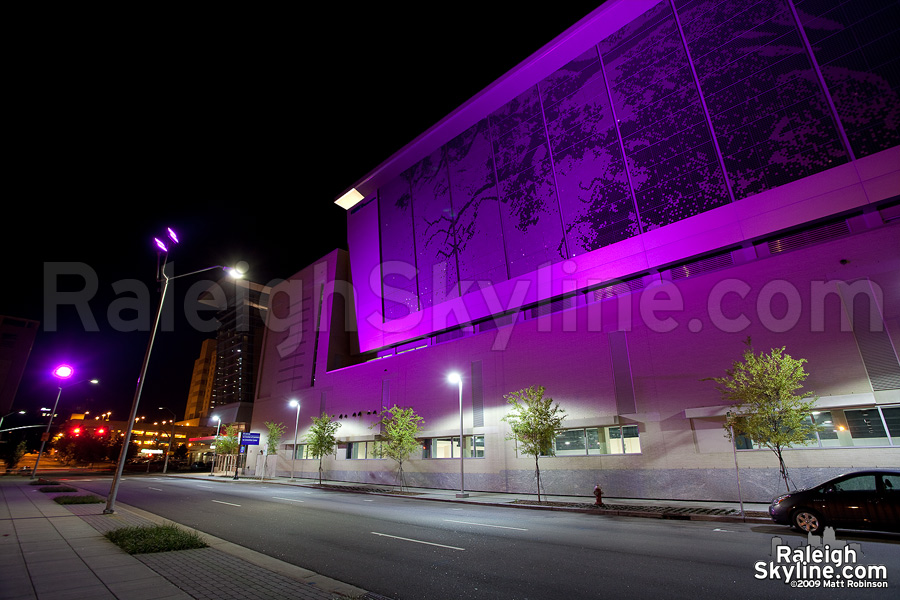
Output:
(204, 486)
(396, 537)
(290, 499)
(368, 501)
(228, 503)
(153, 488)
(485, 525)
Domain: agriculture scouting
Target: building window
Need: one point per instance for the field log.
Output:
(449, 447)
(301, 451)
(847, 428)
(362, 450)
(618, 439)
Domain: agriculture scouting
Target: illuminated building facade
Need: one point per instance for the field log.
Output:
(610, 220)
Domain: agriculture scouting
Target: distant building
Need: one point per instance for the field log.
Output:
(241, 308)
(202, 382)
(16, 340)
(610, 220)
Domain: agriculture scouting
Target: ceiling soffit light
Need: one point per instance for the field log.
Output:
(350, 199)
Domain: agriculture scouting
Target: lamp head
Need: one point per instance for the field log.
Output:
(63, 372)
(454, 377)
(294, 403)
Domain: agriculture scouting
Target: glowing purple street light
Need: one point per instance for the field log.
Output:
(63, 372)
(162, 257)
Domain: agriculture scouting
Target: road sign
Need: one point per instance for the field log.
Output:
(248, 439)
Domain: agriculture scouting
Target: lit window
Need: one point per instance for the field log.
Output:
(618, 439)
(449, 447)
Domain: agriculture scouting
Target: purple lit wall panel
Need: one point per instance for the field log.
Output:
(596, 204)
(397, 248)
(434, 227)
(673, 165)
(541, 179)
(855, 44)
(476, 207)
(767, 108)
(532, 230)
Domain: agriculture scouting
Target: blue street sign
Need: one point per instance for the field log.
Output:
(248, 439)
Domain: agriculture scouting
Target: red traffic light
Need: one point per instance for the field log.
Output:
(101, 431)
(76, 431)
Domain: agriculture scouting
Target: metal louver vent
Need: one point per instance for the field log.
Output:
(495, 322)
(809, 237)
(547, 308)
(704, 265)
(453, 334)
(617, 289)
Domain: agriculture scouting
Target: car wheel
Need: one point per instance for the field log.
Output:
(807, 520)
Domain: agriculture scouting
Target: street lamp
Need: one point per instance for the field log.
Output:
(171, 437)
(296, 425)
(15, 412)
(218, 421)
(455, 378)
(62, 373)
(162, 255)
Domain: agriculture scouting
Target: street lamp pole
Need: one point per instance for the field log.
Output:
(62, 373)
(163, 251)
(296, 425)
(215, 449)
(457, 379)
(171, 437)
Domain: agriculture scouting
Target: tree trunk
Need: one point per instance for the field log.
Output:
(320, 470)
(537, 473)
(783, 468)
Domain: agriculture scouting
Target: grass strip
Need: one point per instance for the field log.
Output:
(52, 489)
(88, 499)
(154, 538)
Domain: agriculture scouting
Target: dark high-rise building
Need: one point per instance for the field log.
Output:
(237, 347)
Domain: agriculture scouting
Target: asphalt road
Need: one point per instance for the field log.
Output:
(413, 549)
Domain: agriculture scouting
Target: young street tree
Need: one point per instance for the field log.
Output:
(228, 442)
(275, 432)
(399, 430)
(321, 439)
(762, 389)
(534, 421)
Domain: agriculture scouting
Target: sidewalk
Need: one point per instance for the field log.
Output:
(49, 551)
(59, 552)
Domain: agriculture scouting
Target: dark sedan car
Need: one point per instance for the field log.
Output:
(860, 500)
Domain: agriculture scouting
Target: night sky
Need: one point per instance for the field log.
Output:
(237, 129)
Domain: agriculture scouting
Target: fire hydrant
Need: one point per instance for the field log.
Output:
(598, 494)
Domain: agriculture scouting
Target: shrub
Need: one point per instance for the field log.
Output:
(88, 499)
(154, 538)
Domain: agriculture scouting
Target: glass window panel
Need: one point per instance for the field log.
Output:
(570, 442)
(828, 435)
(596, 442)
(442, 448)
(865, 427)
(301, 451)
(631, 438)
(478, 446)
(615, 440)
(892, 419)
